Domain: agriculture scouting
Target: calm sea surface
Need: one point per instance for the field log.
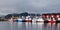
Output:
(28, 26)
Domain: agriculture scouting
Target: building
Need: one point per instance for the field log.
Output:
(52, 16)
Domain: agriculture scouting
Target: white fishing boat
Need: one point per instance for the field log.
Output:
(28, 20)
(40, 20)
(34, 20)
(19, 20)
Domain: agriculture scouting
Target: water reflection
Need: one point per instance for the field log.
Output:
(58, 26)
(28, 26)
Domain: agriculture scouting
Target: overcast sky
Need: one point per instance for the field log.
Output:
(30, 6)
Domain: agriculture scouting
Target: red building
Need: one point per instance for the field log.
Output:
(51, 16)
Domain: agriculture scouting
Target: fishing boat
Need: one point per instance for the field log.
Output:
(39, 20)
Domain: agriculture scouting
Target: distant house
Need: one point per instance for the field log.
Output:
(51, 15)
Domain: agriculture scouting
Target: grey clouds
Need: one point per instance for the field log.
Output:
(30, 6)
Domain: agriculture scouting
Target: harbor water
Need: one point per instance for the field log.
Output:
(28, 26)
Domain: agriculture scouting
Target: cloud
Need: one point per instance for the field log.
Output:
(31, 6)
